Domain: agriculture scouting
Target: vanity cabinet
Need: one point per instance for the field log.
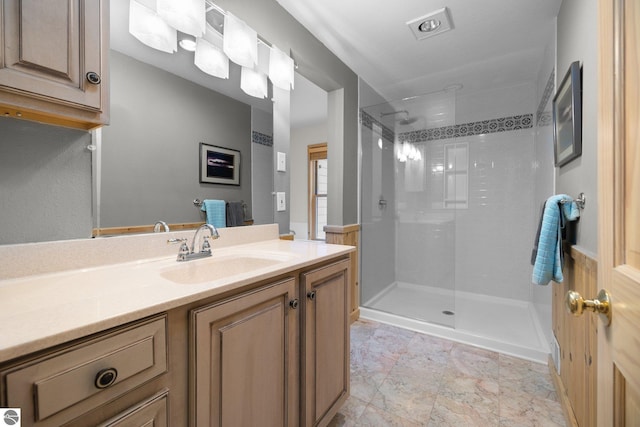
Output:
(53, 61)
(244, 370)
(326, 349)
(72, 384)
(271, 351)
(276, 356)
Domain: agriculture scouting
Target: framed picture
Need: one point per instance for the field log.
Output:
(567, 117)
(219, 165)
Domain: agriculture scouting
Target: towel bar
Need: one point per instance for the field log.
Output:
(198, 203)
(580, 201)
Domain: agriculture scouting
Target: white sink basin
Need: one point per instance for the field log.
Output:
(224, 265)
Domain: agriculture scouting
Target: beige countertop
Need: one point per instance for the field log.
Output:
(43, 310)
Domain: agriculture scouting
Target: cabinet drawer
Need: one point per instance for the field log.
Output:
(151, 412)
(57, 388)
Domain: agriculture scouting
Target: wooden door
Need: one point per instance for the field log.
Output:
(244, 360)
(619, 211)
(317, 190)
(325, 362)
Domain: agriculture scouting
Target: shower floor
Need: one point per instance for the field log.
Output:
(505, 325)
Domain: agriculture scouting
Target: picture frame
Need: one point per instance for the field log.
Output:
(219, 165)
(567, 117)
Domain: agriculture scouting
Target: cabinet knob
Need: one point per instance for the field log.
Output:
(311, 295)
(106, 377)
(93, 78)
(293, 303)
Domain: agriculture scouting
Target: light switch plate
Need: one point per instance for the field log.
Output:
(282, 162)
(281, 202)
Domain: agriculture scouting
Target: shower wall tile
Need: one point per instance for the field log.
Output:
(261, 138)
(494, 235)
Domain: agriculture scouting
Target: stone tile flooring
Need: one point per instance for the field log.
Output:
(404, 378)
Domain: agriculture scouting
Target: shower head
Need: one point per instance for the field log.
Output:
(407, 119)
(391, 113)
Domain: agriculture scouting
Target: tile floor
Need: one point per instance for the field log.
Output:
(404, 378)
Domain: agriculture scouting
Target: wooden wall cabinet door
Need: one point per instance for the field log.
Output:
(53, 65)
(325, 359)
(245, 355)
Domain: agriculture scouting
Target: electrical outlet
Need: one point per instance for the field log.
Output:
(281, 202)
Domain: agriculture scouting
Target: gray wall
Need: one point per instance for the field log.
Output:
(150, 151)
(322, 67)
(262, 169)
(577, 41)
(45, 182)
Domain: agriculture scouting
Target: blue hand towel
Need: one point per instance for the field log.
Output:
(216, 212)
(548, 264)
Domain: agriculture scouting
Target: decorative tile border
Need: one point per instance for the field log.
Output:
(503, 124)
(261, 138)
(543, 118)
(368, 121)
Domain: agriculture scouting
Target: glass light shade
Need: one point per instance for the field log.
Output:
(188, 16)
(281, 69)
(264, 52)
(211, 60)
(240, 42)
(253, 82)
(150, 29)
(213, 36)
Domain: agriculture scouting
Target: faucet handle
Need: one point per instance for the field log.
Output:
(183, 251)
(206, 246)
(174, 241)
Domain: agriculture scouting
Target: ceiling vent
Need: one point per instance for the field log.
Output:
(429, 25)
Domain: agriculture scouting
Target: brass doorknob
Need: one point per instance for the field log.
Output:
(576, 305)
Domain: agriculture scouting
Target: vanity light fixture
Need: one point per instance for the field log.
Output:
(436, 22)
(209, 57)
(188, 44)
(187, 16)
(240, 42)
(157, 22)
(253, 82)
(281, 69)
(148, 27)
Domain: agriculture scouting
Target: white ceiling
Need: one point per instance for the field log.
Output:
(494, 43)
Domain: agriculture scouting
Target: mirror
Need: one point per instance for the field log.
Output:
(46, 172)
(149, 154)
(145, 164)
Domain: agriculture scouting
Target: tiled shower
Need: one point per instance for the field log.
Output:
(448, 216)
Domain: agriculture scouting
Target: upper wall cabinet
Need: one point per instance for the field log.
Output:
(53, 62)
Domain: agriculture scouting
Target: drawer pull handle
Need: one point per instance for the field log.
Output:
(293, 303)
(311, 295)
(106, 377)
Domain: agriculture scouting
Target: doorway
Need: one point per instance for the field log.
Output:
(317, 196)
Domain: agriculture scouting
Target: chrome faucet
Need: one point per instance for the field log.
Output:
(186, 254)
(158, 224)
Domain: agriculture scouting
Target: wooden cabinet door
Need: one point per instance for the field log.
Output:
(325, 362)
(245, 358)
(49, 50)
